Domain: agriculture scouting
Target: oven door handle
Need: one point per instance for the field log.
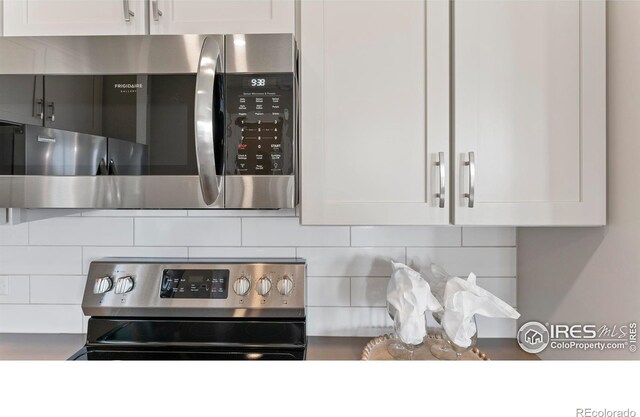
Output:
(205, 120)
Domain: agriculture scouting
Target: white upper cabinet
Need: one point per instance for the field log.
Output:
(221, 16)
(529, 94)
(375, 112)
(73, 17)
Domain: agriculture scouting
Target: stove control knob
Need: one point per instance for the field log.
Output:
(124, 285)
(285, 285)
(242, 285)
(102, 285)
(263, 286)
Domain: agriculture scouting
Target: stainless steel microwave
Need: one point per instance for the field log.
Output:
(188, 121)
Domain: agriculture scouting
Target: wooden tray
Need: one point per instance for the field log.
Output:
(376, 349)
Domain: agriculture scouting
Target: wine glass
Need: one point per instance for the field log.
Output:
(399, 349)
(447, 349)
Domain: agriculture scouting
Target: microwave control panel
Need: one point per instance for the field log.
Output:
(260, 123)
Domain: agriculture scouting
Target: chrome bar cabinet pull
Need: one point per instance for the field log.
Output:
(471, 163)
(440, 163)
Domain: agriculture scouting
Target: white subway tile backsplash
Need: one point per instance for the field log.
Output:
(134, 213)
(347, 321)
(187, 231)
(14, 289)
(12, 235)
(273, 231)
(241, 252)
(30, 215)
(33, 318)
(374, 321)
(488, 262)
(95, 252)
(57, 289)
(328, 291)
(503, 288)
(369, 291)
(493, 327)
(27, 260)
(489, 236)
(340, 262)
(405, 236)
(81, 231)
(372, 291)
(46, 258)
(242, 213)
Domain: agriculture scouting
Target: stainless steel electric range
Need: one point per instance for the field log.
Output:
(199, 309)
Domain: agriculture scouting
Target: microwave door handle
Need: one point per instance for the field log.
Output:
(205, 119)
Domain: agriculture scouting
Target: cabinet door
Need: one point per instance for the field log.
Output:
(73, 17)
(221, 16)
(529, 82)
(375, 112)
(21, 99)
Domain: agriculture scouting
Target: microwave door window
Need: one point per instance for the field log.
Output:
(56, 152)
(148, 117)
(124, 107)
(127, 158)
(73, 103)
(171, 125)
(155, 114)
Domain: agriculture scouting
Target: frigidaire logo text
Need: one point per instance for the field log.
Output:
(118, 85)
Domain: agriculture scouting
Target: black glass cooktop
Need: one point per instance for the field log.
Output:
(194, 339)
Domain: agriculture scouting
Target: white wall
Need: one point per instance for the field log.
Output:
(44, 260)
(592, 275)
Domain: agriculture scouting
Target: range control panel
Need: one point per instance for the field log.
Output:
(260, 125)
(208, 288)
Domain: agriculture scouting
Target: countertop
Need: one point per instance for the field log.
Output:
(60, 346)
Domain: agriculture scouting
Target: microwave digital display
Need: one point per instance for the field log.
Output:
(258, 82)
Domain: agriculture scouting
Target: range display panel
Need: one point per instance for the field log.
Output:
(195, 283)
